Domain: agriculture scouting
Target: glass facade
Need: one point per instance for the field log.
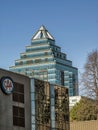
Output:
(49, 106)
(44, 60)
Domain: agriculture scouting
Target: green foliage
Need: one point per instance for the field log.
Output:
(84, 110)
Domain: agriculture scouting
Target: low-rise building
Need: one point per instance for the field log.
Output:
(32, 104)
(73, 100)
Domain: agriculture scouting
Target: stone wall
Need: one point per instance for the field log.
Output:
(84, 125)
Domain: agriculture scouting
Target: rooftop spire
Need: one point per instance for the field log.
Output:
(42, 33)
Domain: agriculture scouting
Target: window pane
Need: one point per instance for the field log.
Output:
(18, 116)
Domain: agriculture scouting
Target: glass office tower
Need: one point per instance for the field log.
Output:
(44, 60)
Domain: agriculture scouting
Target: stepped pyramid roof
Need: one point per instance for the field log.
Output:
(42, 33)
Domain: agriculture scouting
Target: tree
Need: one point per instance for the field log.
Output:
(84, 110)
(90, 76)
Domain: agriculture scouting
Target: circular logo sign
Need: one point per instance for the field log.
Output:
(7, 85)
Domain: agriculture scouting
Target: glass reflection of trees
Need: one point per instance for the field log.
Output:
(61, 108)
(42, 105)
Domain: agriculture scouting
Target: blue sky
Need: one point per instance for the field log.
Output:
(73, 23)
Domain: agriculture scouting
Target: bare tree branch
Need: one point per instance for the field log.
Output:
(90, 77)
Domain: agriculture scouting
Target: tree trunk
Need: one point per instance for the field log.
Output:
(97, 103)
